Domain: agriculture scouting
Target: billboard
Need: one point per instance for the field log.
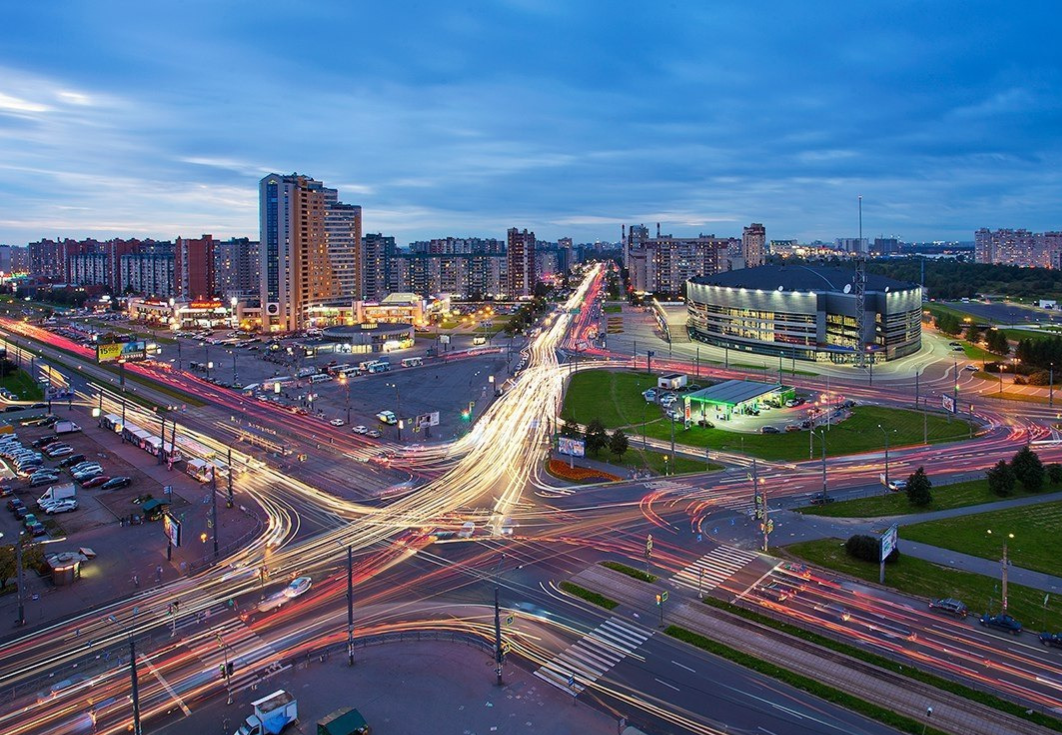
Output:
(572, 447)
(120, 351)
(948, 403)
(888, 542)
(172, 527)
(428, 419)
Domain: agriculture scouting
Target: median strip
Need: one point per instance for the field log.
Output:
(584, 593)
(629, 571)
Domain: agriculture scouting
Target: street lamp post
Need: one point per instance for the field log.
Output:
(886, 435)
(344, 380)
(134, 684)
(19, 581)
(1004, 563)
(822, 439)
(398, 404)
(1051, 394)
(121, 380)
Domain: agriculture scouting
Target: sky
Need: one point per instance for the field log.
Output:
(568, 118)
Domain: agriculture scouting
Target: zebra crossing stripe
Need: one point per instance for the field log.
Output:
(714, 568)
(586, 660)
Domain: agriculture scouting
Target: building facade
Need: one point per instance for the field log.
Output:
(521, 272)
(194, 268)
(1018, 247)
(664, 264)
(753, 243)
(236, 267)
(805, 313)
(377, 252)
(150, 272)
(298, 268)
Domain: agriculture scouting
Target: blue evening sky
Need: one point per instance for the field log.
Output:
(565, 117)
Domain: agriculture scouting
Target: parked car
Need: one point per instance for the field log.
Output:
(1051, 639)
(88, 474)
(792, 402)
(71, 460)
(950, 606)
(44, 441)
(37, 529)
(61, 506)
(21, 511)
(897, 485)
(60, 451)
(46, 479)
(95, 481)
(769, 430)
(13, 503)
(821, 499)
(81, 467)
(116, 482)
(1003, 622)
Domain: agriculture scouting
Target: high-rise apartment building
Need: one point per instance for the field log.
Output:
(377, 251)
(149, 271)
(236, 267)
(13, 259)
(520, 260)
(194, 268)
(461, 275)
(753, 241)
(298, 269)
(1018, 247)
(664, 263)
(343, 227)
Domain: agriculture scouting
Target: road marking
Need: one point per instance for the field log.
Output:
(166, 685)
(756, 584)
(669, 686)
(693, 671)
(714, 568)
(590, 657)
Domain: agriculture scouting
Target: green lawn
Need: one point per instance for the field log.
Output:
(936, 309)
(637, 458)
(1033, 335)
(613, 397)
(1035, 532)
(917, 577)
(859, 433)
(959, 495)
(25, 387)
(974, 352)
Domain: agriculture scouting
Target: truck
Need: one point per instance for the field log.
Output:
(66, 427)
(272, 714)
(57, 492)
(344, 722)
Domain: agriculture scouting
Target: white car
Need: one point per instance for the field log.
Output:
(387, 417)
(360, 429)
(298, 587)
(373, 433)
(337, 422)
(61, 506)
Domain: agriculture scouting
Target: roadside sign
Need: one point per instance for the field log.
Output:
(509, 620)
(888, 542)
(663, 596)
(948, 402)
(648, 545)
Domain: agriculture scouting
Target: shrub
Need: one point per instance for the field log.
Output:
(868, 548)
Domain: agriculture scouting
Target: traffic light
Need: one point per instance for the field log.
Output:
(221, 670)
(203, 537)
(659, 600)
(228, 669)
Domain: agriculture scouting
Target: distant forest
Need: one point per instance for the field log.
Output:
(952, 279)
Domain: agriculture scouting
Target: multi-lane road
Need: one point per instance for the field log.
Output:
(404, 581)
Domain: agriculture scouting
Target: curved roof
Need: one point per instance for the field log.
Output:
(799, 278)
(346, 332)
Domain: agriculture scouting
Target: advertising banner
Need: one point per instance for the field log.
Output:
(571, 447)
(948, 403)
(116, 351)
(888, 542)
(172, 528)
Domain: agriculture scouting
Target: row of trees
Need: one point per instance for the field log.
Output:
(527, 314)
(953, 279)
(1026, 468)
(1040, 353)
(995, 340)
(597, 437)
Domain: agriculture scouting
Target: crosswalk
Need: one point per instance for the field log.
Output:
(234, 642)
(714, 568)
(586, 660)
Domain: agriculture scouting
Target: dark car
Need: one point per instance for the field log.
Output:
(37, 529)
(6, 490)
(949, 605)
(44, 441)
(769, 430)
(116, 482)
(13, 503)
(1003, 622)
(21, 512)
(821, 499)
(1051, 639)
(73, 459)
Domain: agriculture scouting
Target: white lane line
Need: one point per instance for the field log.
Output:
(681, 666)
(669, 686)
(756, 584)
(166, 686)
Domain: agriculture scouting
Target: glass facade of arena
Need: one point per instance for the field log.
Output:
(805, 324)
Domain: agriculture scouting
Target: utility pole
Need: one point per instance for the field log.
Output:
(121, 380)
(497, 637)
(350, 604)
(649, 361)
(19, 578)
(214, 507)
(822, 437)
(229, 502)
(162, 439)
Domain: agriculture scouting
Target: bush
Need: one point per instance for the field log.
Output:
(1001, 480)
(868, 548)
(1054, 473)
(1028, 469)
(1040, 377)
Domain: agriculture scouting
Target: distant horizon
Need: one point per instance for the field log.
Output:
(570, 119)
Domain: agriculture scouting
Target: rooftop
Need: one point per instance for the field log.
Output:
(800, 278)
(733, 392)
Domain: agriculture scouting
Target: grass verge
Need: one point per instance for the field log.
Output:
(959, 495)
(1033, 546)
(974, 695)
(629, 571)
(804, 683)
(21, 384)
(927, 580)
(573, 589)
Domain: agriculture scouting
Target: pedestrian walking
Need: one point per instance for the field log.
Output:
(136, 580)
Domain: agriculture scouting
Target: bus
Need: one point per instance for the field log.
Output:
(479, 340)
(320, 378)
(380, 366)
(412, 362)
(200, 469)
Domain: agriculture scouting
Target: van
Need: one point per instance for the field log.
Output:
(467, 529)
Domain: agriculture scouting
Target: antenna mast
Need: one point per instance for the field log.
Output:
(861, 293)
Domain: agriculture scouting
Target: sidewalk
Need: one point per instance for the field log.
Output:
(892, 691)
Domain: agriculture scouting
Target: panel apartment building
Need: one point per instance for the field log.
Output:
(1018, 247)
(664, 263)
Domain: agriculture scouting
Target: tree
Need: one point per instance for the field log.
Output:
(1001, 479)
(32, 556)
(868, 548)
(919, 488)
(570, 429)
(973, 333)
(618, 444)
(1028, 469)
(1054, 473)
(996, 339)
(596, 436)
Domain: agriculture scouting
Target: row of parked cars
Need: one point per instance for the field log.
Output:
(1003, 621)
(29, 520)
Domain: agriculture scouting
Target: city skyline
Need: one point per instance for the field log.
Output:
(565, 121)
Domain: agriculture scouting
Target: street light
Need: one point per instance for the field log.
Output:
(350, 603)
(134, 685)
(1004, 563)
(345, 381)
(886, 435)
(398, 404)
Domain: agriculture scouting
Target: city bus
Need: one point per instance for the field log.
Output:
(200, 469)
(380, 366)
(412, 361)
(320, 378)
